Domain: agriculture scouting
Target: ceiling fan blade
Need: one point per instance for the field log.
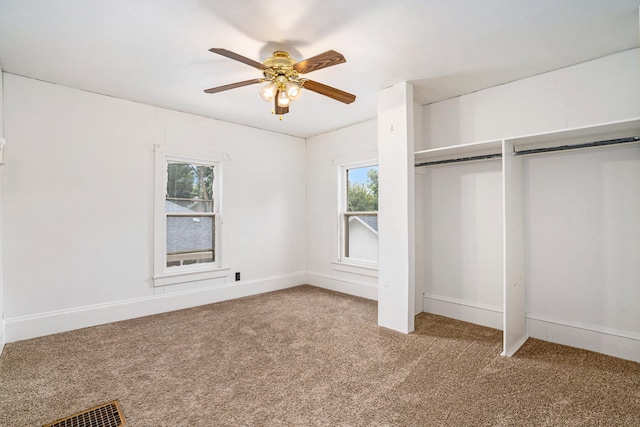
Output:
(235, 56)
(329, 91)
(324, 60)
(233, 86)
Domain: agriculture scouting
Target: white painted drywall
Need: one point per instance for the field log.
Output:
(580, 211)
(78, 208)
(324, 155)
(582, 237)
(514, 330)
(463, 239)
(396, 216)
(2, 323)
(598, 91)
(420, 242)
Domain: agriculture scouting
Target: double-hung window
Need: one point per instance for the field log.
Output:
(190, 214)
(359, 214)
(187, 216)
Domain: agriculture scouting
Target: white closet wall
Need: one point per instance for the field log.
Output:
(463, 254)
(582, 237)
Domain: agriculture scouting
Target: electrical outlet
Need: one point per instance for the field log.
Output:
(237, 276)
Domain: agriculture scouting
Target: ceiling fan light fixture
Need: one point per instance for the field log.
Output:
(268, 92)
(282, 77)
(293, 90)
(283, 99)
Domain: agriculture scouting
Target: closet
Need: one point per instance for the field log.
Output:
(511, 270)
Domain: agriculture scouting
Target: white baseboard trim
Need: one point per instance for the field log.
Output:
(613, 342)
(41, 324)
(346, 286)
(622, 344)
(467, 311)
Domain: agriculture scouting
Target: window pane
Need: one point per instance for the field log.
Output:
(189, 187)
(362, 189)
(187, 205)
(362, 237)
(189, 240)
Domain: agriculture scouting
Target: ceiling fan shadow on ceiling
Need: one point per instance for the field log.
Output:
(283, 76)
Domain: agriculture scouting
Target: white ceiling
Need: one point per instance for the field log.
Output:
(156, 51)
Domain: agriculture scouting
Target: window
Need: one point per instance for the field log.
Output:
(190, 215)
(359, 214)
(187, 216)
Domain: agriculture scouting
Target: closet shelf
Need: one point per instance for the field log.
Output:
(478, 149)
(578, 135)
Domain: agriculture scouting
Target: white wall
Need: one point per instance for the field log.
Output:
(396, 219)
(324, 153)
(582, 237)
(419, 215)
(580, 207)
(78, 208)
(463, 244)
(2, 323)
(598, 91)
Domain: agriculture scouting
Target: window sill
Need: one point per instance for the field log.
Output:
(363, 270)
(174, 278)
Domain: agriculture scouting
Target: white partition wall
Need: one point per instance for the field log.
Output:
(2, 325)
(514, 290)
(396, 222)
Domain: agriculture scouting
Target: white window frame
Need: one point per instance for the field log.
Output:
(163, 275)
(344, 263)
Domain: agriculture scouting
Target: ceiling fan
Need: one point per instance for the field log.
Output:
(283, 76)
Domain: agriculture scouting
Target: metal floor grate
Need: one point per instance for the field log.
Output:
(107, 415)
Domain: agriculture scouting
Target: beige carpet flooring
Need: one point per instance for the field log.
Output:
(310, 357)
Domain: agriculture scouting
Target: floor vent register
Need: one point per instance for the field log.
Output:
(107, 415)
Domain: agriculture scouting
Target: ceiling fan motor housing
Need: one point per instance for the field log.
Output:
(280, 59)
(280, 68)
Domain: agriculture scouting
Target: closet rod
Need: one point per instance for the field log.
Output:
(574, 146)
(461, 159)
